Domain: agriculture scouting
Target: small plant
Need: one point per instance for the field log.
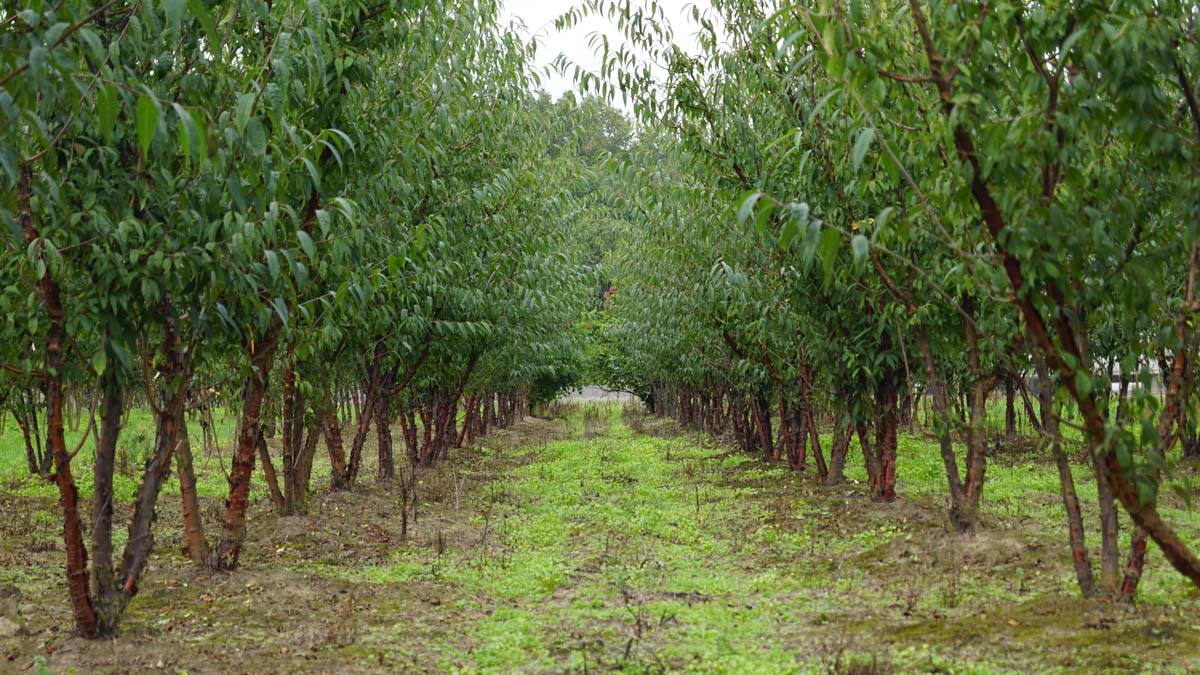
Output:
(592, 419)
(133, 448)
(837, 659)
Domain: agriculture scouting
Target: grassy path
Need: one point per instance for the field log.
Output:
(638, 553)
(615, 552)
(573, 547)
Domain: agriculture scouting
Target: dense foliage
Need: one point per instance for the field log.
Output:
(277, 207)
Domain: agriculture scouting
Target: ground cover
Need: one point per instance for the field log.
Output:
(609, 541)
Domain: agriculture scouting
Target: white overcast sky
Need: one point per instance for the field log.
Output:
(539, 16)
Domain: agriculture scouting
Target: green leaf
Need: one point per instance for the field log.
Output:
(865, 137)
(881, 221)
(1147, 489)
(281, 310)
(189, 136)
(9, 163)
(1083, 383)
(185, 143)
(306, 243)
(245, 106)
(312, 172)
(790, 229)
(174, 11)
(764, 218)
(99, 361)
(747, 206)
(256, 139)
(107, 110)
(812, 239)
(830, 241)
(147, 121)
(861, 248)
(200, 126)
(1065, 49)
(272, 264)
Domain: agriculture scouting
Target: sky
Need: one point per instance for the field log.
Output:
(539, 16)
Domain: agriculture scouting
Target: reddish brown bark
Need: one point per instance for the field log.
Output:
(387, 463)
(193, 529)
(797, 436)
(762, 423)
(338, 478)
(1048, 424)
(68, 496)
(408, 428)
(838, 451)
(174, 375)
(291, 439)
(468, 427)
(879, 454)
(1135, 565)
(818, 453)
(489, 414)
(297, 447)
(297, 469)
(426, 412)
(103, 572)
(366, 411)
(270, 476)
(1010, 408)
(37, 456)
(965, 492)
(233, 527)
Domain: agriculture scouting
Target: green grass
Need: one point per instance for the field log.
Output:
(611, 549)
(134, 445)
(642, 553)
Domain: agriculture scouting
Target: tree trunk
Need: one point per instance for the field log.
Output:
(104, 577)
(140, 542)
(424, 458)
(365, 412)
(799, 435)
(338, 478)
(387, 462)
(965, 492)
(233, 528)
(68, 496)
(193, 527)
(292, 442)
(33, 458)
(842, 433)
(1010, 408)
(783, 441)
(1050, 431)
(1109, 532)
(269, 474)
(761, 410)
(464, 438)
(298, 469)
(408, 427)
(880, 456)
